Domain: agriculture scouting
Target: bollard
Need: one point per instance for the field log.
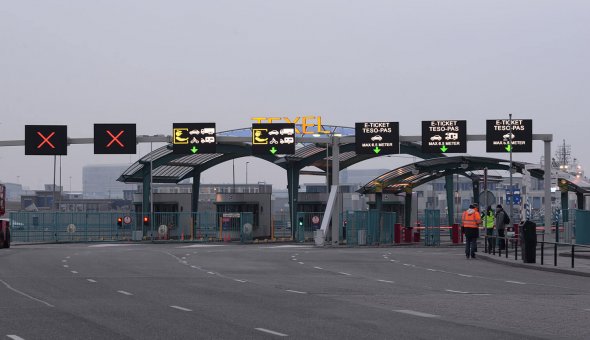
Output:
(397, 233)
(408, 234)
(455, 231)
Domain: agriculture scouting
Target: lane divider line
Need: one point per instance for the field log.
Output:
(74, 272)
(294, 291)
(14, 337)
(91, 280)
(465, 275)
(124, 292)
(415, 313)
(182, 308)
(270, 332)
(25, 294)
(343, 273)
(386, 281)
(300, 262)
(516, 282)
(66, 266)
(456, 291)
(242, 281)
(318, 268)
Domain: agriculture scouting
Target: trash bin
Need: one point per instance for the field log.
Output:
(362, 237)
(318, 236)
(528, 241)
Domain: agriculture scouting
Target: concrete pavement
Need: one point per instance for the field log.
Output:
(195, 291)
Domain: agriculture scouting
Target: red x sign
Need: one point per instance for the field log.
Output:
(46, 140)
(115, 138)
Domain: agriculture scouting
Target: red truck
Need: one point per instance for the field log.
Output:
(4, 225)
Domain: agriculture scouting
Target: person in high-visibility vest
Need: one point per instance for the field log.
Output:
(488, 222)
(471, 220)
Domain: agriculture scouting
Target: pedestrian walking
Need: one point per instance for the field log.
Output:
(471, 220)
(500, 222)
(489, 223)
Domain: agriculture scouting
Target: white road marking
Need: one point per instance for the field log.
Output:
(464, 275)
(294, 291)
(183, 258)
(188, 254)
(14, 337)
(270, 332)
(415, 313)
(343, 273)
(432, 270)
(300, 262)
(203, 246)
(394, 260)
(455, 291)
(64, 260)
(516, 282)
(318, 268)
(182, 308)
(212, 273)
(407, 264)
(66, 266)
(242, 281)
(294, 259)
(288, 246)
(111, 245)
(91, 280)
(124, 292)
(386, 281)
(482, 294)
(25, 294)
(74, 272)
(195, 267)
(67, 257)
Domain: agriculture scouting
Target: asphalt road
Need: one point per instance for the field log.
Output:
(183, 291)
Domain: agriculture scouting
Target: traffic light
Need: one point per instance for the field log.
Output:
(301, 221)
(146, 221)
(120, 221)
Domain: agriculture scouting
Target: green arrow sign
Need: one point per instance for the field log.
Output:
(508, 147)
(194, 149)
(444, 148)
(376, 149)
(273, 150)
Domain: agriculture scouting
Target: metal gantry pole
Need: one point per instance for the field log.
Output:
(336, 181)
(547, 186)
(510, 151)
(151, 191)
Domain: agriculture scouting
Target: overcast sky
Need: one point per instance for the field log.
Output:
(153, 63)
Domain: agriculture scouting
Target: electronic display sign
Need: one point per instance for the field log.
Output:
(273, 138)
(377, 138)
(115, 139)
(193, 138)
(46, 140)
(498, 135)
(446, 136)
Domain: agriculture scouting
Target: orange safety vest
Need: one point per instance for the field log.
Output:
(471, 220)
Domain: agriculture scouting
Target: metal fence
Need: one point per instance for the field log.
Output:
(119, 226)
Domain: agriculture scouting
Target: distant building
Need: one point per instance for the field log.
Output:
(100, 181)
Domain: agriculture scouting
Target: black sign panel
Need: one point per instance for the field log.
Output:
(377, 138)
(446, 136)
(193, 138)
(46, 140)
(276, 138)
(498, 135)
(115, 139)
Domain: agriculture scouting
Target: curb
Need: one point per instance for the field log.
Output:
(534, 267)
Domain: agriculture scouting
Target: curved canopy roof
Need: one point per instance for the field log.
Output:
(173, 168)
(409, 176)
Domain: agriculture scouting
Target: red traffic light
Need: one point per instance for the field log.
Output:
(119, 221)
(146, 220)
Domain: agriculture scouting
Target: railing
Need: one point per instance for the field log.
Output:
(515, 242)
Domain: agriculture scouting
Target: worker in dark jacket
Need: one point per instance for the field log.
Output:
(500, 226)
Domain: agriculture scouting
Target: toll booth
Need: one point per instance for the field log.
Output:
(258, 204)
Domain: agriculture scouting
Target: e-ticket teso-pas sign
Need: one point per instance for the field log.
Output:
(377, 138)
(505, 135)
(446, 136)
